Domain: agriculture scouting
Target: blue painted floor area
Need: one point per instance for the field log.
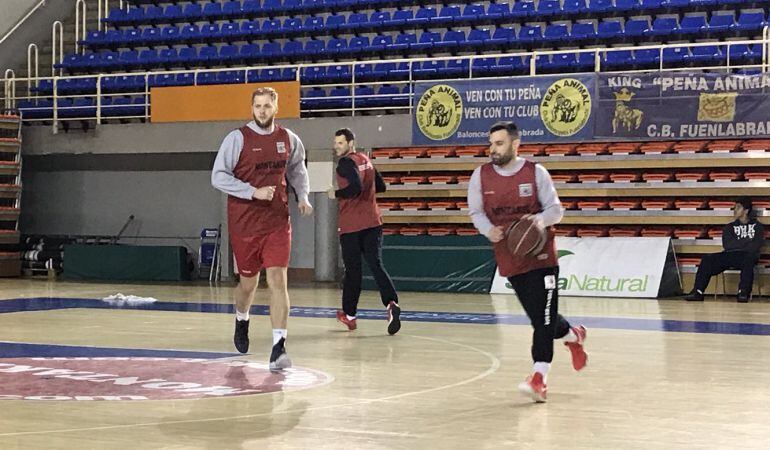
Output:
(685, 326)
(24, 350)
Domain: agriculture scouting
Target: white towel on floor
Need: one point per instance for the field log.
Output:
(121, 300)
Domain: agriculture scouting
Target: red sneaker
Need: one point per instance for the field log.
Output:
(579, 355)
(342, 317)
(534, 387)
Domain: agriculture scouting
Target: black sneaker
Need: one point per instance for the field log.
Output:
(241, 337)
(694, 296)
(394, 318)
(742, 297)
(279, 360)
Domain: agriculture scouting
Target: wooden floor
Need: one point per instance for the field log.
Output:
(661, 374)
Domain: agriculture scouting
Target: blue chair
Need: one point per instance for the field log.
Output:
(272, 6)
(209, 55)
(426, 42)
(671, 5)
(314, 49)
(387, 96)
(115, 16)
(427, 69)
(188, 57)
(574, 7)
(170, 35)
(312, 24)
(510, 65)
(543, 64)
(404, 41)
(750, 21)
(400, 17)
(212, 11)
(364, 72)
(273, 27)
(478, 38)
(456, 68)
(364, 97)
(610, 31)
(338, 22)
(232, 10)
(636, 27)
(482, 67)
(163, 80)
(498, 11)
(339, 98)
(231, 77)
(251, 7)
(379, 18)
(291, 49)
(190, 34)
(721, 23)
(184, 79)
(229, 54)
(693, 25)
(210, 31)
(471, 14)
(530, 34)
(150, 36)
(586, 61)
(583, 32)
(167, 57)
(270, 50)
(335, 46)
(624, 6)
(446, 16)
(382, 42)
(452, 41)
(249, 30)
(563, 61)
(207, 78)
(650, 6)
(557, 33)
(230, 32)
(149, 58)
(192, 12)
(313, 99)
(337, 74)
(647, 58)
(740, 54)
(599, 6)
(706, 56)
(313, 74)
(618, 59)
(358, 45)
(502, 37)
(291, 6)
(422, 16)
(356, 21)
(675, 56)
(548, 8)
(173, 13)
(522, 9)
(666, 26)
(113, 37)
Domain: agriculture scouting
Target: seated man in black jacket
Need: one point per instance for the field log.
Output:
(742, 240)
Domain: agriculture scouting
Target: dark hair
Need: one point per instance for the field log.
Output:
(510, 127)
(746, 203)
(349, 136)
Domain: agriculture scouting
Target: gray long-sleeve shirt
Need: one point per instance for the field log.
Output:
(222, 176)
(551, 213)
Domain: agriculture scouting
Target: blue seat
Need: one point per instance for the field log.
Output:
(231, 77)
(543, 64)
(743, 54)
(313, 74)
(381, 42)
(471, 14)
(358, 45)
(132, 36)
(573, 7)
(271, 5)
(379, 18)
(563, 61)
(636, 27)
(498, 11)
(315, 49)
(451, 41)
(151, 36)
(403, 41)
(270, 50)
(622, 6)
(313, 99)
(184, 79)
(508, 65)
(338, 22)
(43, 109)
(273, 26)
(113, 37)
(530, 34)
(522, 9)
(428, 69)
(598, 6)
(292, 48)
(706, 55)
(291, 6)
(251, 7)
(556, 33)
(675, 4)
(446, 16)
(502, 37)
(249, 29)
(192, 12)
(188, 56)
(666, 26)
(190, 34)
(456, 68)
(206, 78)
(212, 11)
(162, 80)
(115, 16)
(232, 9)
(675, 56)
(364, 97)
(618, 59)
(172, 13)
(400, 17)
(335, 46)
(611, 30)
(426, 42)
(167, 57)
(355, 21)
(339, 98)
(149, 58)
(337, 74)
(44, 87)
(106, 61)
(210, 31)
(721, 23)
(650, 6)
(422, 16)
(750, 21)
(483, 66)
(647, 58)
(209, 55)
(389, 96)
(478, 37)
(583, 31)
(134, 16)
(548, 8)
(230, 31)
(586, 61)
(169, 35)
(229, 54)
(363, 72)
(291, 26)
(693, 25)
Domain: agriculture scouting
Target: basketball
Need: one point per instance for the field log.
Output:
(524, 237)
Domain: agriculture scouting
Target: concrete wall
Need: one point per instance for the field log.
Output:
(89, 183)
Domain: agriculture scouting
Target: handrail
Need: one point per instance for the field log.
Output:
(30, 48)
(765, 44)
(80, 24)
(60, 27)
(9, 88)
(22, 20)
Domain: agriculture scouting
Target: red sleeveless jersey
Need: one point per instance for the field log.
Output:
(507, 199)
(262, 162)
(361, 212)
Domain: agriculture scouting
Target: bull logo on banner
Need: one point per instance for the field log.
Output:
(439, 112)
(625, 116)
(566, 107)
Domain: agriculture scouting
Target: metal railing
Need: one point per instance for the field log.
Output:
(21, 21)
(351, 104)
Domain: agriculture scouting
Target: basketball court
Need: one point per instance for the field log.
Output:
(79, 373)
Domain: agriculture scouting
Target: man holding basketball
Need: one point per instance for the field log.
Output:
(504, 192)
(252, 167)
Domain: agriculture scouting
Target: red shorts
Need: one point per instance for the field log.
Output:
(254, 253)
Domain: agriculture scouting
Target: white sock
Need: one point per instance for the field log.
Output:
(542, 368)
(241, 316)
(278, 333)
(571, 336)
(351, 317)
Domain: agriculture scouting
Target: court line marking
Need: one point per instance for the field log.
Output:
(493, 367)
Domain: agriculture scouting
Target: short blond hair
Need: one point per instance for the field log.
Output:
(265, 91)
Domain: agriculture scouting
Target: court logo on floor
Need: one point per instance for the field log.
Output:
(145, 378)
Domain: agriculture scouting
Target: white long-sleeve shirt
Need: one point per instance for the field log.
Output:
(222, 176)
(551, 213)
